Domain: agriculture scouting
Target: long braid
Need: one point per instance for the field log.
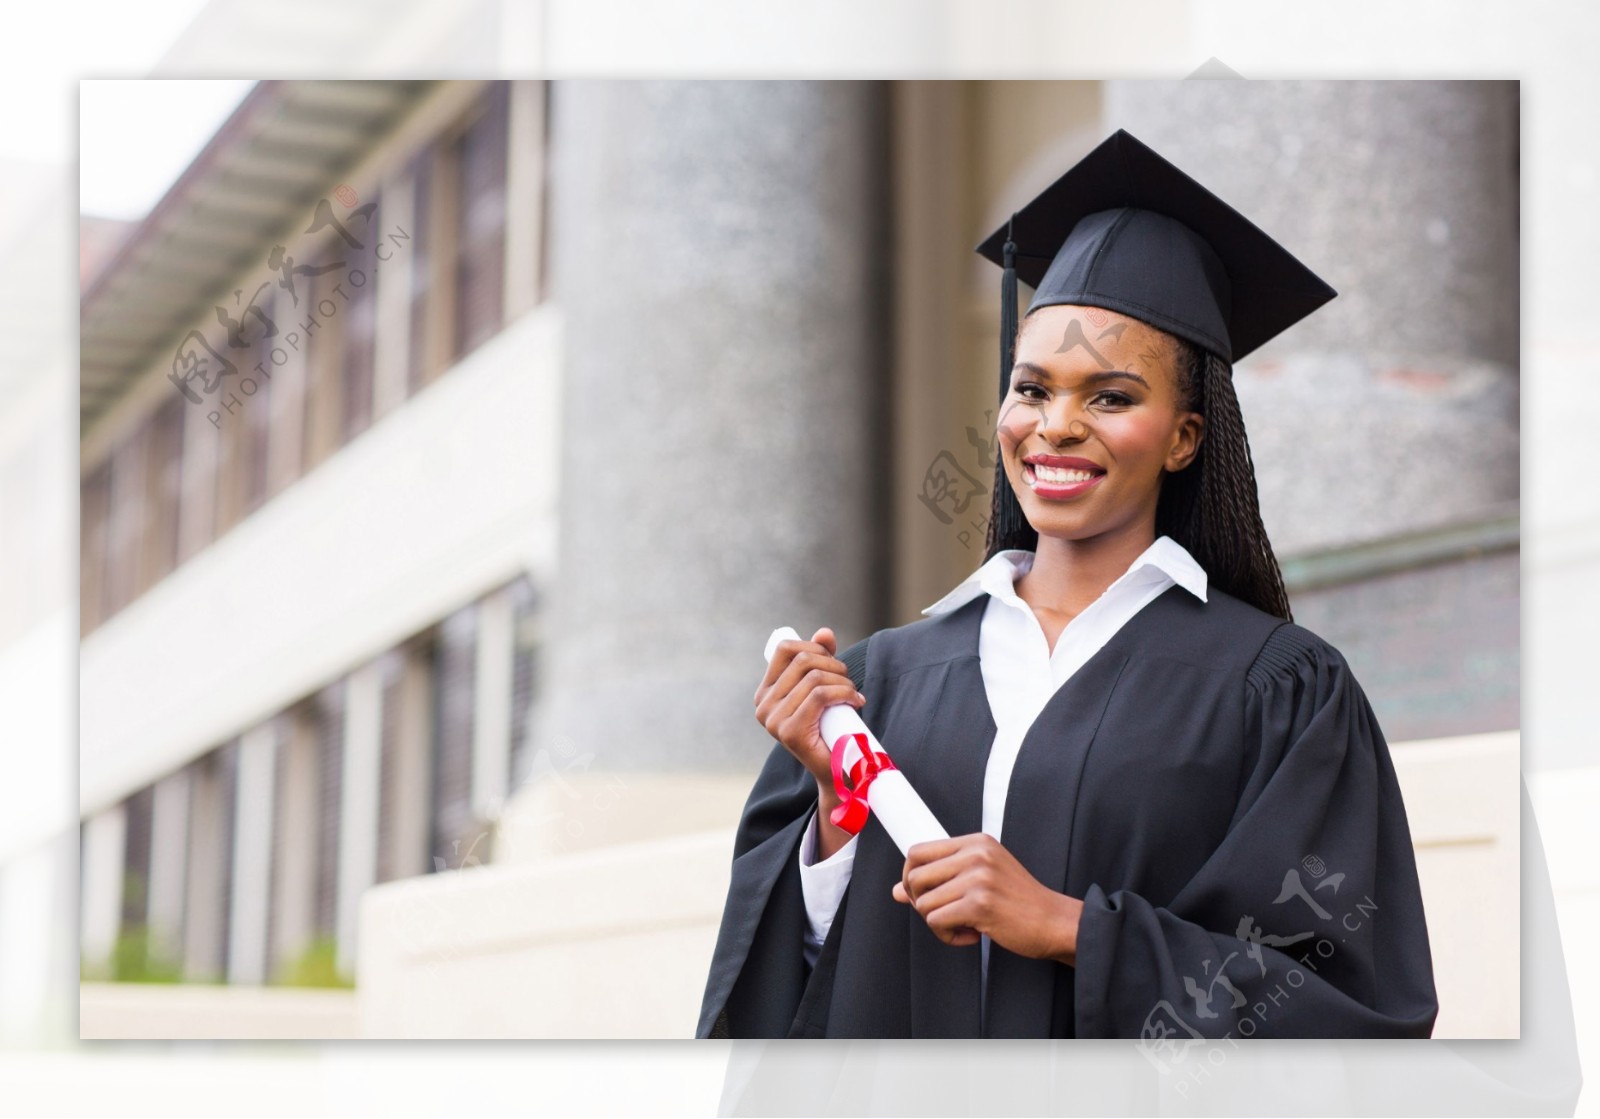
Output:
(1211, 507)
(1221, 525)
(1008, 525)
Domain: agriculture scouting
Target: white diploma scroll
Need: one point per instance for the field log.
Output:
(890, 796)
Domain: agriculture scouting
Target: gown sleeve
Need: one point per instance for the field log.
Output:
(760, 968)
(1307, 920)
(823, 885)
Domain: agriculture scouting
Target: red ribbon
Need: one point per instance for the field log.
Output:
(851, 814)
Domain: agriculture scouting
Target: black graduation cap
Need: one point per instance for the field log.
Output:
(1126, 230)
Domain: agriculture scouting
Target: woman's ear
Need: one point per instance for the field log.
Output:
(1186, 443)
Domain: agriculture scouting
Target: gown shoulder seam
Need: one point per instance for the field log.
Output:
(1287, 646)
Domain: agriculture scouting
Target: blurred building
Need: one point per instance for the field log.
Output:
(461, 550)
(317, 487)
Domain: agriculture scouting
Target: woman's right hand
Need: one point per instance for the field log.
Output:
(803, 679)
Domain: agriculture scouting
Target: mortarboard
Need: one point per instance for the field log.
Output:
(1126, 230)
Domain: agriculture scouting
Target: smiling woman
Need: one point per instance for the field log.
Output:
(1127, 437)
(1173, 814)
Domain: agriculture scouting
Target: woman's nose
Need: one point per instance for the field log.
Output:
(1063, 422)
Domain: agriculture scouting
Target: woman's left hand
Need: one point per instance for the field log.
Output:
(970, 884)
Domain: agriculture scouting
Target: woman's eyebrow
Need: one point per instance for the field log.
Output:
(1088, 378)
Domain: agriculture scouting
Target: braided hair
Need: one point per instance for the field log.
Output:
(1210, 507)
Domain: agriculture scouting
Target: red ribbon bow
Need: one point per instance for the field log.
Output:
(851, 814)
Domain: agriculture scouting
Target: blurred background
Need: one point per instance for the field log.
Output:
(449, 448)
(375, 736)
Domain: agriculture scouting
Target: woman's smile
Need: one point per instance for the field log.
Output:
(1056, 477)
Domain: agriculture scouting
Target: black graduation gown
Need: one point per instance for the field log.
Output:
(1212, 784)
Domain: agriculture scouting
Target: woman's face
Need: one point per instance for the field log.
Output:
(1101, 388)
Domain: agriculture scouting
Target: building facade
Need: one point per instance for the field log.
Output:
(260, 741)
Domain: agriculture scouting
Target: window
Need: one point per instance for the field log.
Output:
(287, 401)
(212, 792)
(126, 521)
(243, 407)
(403, 804)
(428, 326)
(254, 418)
(525, 605)
(329, 730)
(359, 325)
(165, 486)
(135, 876)
(296, 854)
(230, 463)
(480, 162)
(197, 507)
(324, 359)
(226, 790)
(454, 672)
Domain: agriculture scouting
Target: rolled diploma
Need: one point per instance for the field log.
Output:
(890, 796)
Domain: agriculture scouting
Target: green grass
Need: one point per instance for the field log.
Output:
(315, 967)
(134, 959)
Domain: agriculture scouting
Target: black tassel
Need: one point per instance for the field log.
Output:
(1008, 527)
(1008, 309)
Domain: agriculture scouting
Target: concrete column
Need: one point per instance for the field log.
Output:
(250, 898)
(1395, 406)
(719, 254)
(491, 722)
(103, 837)
(169, 862)
(358, 804)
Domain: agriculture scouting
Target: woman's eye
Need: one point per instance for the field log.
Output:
(1024, 389)
(1117, 398)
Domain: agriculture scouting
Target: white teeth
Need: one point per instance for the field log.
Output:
(1058, 474)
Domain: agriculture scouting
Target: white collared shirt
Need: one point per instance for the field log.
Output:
(1020, 674)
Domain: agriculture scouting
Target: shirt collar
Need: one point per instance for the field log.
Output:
(998, 576)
